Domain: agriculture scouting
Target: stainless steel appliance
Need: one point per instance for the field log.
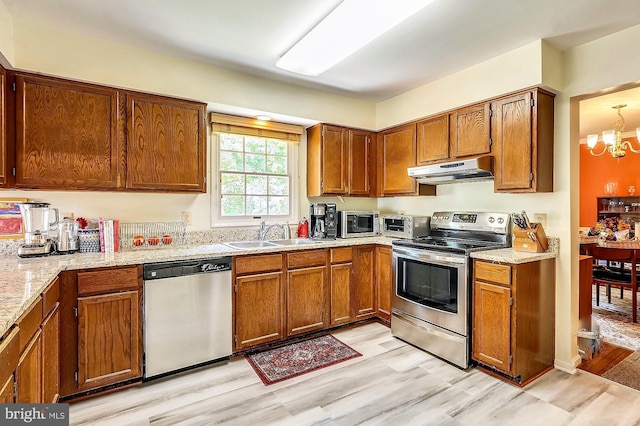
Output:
(38, 218)
(68, 241)
(431, 304)
(187, 314)
(480, 168)
(323, 221)
(402, 226)
(358, 223)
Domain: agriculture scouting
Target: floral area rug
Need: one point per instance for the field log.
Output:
(276, 365)
(614, 319)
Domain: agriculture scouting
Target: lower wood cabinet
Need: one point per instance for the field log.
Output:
(101, 314)
(51, 356)
(109, 343)
(513, 317)
(384, 281)
(364, 294)
(6, 391)
(341, 283)
(29, 372)
(9, 357)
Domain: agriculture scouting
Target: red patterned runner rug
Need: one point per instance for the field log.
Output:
(276, 365)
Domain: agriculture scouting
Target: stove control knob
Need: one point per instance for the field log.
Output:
(500, 220)
(491, 219)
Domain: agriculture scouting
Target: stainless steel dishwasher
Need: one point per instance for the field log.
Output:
(187, 314)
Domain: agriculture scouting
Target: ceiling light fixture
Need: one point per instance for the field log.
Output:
(349, 27)
(612, 139)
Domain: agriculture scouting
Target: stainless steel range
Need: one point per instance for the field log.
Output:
(432, 298)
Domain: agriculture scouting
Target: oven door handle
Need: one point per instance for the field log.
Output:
(430, 256)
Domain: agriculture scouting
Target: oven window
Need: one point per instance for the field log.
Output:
(429, 285)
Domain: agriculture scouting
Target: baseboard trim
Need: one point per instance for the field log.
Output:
(568, 367)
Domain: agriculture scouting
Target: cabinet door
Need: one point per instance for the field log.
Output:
(67, 135)
(109, 339)
(335, 157)
(259, 309)
(4, 153)
(6, 391)
(364, 295)
(359, 158)
(51, 356)
(29, 372)
(384, 278)
(471, 131)
(433, 139)
(307, 300)
(165, 144)
(396, 153)
(512, 138)
(341, 293)
(492, 326)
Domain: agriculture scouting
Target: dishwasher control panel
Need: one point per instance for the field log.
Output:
(156, 271)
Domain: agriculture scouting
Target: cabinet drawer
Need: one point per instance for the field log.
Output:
(493, 272)
(341, 255)
(50, 296)
(108, 280)
(306, 259)
(29, 322)
(261, 263)
(9, 353)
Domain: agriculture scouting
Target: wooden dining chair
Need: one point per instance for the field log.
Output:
(609, 276)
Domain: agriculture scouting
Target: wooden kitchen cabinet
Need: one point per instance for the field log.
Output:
(396, 152)
(166, 144)
(5, 152)
(384, 281)
(9, 357)
(513, 318)
(341, 283)
(433, 139)
(258, 300)
(364, 294)
(67, 135)
(338, 161)
(522, 129)
(470, 131)
(28, 374)
(308, 293)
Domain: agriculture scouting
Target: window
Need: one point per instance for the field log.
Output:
(254, 176)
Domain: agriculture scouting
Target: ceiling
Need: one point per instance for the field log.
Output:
(250, 35)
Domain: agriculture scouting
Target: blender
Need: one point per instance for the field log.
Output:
(37, 218)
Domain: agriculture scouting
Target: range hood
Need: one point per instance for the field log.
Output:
(472, 169)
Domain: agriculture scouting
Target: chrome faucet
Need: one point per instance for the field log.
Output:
(264, 228)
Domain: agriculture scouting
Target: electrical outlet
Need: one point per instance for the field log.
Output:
(540, 218)
(186, 217)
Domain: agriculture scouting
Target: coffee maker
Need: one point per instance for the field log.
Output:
(323, 221)
(37, 218)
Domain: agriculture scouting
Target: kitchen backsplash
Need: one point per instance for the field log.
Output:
(212, 236)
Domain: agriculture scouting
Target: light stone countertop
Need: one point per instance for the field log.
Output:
(510, 255)
(22, 280)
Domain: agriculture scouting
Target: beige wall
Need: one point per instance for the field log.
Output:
(598, 65)
(6, 36)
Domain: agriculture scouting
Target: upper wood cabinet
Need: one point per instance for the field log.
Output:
(166, 144)
(470, 132)
(396, 152)
(67, 135)
(433, 139)
(522, 127)
(338, 161)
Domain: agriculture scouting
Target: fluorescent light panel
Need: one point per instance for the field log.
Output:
(349, 27)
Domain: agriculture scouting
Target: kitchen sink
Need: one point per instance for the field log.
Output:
(293, 242)
(249, 244)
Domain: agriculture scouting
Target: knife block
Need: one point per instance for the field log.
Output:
(536, 243)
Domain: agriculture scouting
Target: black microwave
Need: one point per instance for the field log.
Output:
(358, 223)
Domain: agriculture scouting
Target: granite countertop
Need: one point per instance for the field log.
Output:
(509, 255)
(22, 280)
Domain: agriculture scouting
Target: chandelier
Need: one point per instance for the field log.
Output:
(613, 139)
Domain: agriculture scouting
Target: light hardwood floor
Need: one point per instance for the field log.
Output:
(393, 383)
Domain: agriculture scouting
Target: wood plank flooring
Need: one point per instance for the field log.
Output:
(609, 357)
(393, 383)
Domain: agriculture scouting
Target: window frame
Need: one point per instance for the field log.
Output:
(219, 221)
